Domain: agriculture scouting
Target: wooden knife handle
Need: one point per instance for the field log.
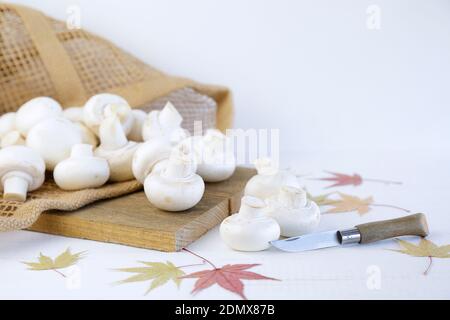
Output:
(413, 225)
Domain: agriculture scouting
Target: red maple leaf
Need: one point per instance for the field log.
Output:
(228, 277)
(343, 179)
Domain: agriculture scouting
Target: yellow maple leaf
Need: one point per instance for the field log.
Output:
(160, 273)
(349, 203)
(425, 248)
(64, 260)
(322, 200)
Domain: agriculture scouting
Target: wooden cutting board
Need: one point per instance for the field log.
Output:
(132, 220)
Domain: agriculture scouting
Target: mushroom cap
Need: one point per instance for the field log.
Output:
(295, 214)
(164, 124)
(82, 171)
(169, 117)
(95, 107)
(74, 114)
(217, 171)
(22, 159)
(265, 166)
(119, 160)
(7, 123)
(12, 138)
(249, 230)
(35, 111)
(147, 155)
(174, 195)
(136, 131)
(296, 221)
(249, 235)
(151, 128)
(264, 186)
(115, 148)
(87, 136)
(215, 156)
(53, 139)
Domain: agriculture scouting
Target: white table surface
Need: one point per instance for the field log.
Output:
(361, 272)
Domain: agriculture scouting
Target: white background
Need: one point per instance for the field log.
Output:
(312, 68)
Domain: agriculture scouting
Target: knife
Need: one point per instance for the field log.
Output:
(413, 225)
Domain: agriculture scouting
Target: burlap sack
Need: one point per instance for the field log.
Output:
(39, 56)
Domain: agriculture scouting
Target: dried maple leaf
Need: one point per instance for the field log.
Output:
(322, 200)
(64, 260)
(228, 277)
(348, 203)
(160, 273)
(341, 179)
(425, 248)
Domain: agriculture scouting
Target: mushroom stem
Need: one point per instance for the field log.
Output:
(181, 163)
(13, 138)
(292, 197)
(121, 110)
(178, 168)
(112, 136)
(216, 146)
(15, 186)
(169, 117)
(81, 150)
(265, 167)
(251, 207)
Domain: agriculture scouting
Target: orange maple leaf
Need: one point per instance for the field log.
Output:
(349, 203)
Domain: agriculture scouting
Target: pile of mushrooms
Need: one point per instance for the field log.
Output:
(274, 204)
(106, 140)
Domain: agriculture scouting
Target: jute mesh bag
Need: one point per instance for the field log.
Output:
(39, 56)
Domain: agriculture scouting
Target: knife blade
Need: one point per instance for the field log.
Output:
(412, 225)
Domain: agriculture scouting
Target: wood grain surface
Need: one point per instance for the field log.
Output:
(132, 220)
(412, 225)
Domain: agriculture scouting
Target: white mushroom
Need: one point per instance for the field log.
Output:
(250, 229)
(81, 170)
(12, 138)
(215, 157)
(176, 187)
(136, 131)
(35, 111)
(7, 123)
(269, 180)
(87, 136)
(74, 114)
(148, 156)
(116, 149)
(53, 139)
(165, 124)
(295, 214)
(100, 106)
(21, 170)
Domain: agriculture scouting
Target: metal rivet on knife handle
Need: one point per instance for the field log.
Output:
(413, 225)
